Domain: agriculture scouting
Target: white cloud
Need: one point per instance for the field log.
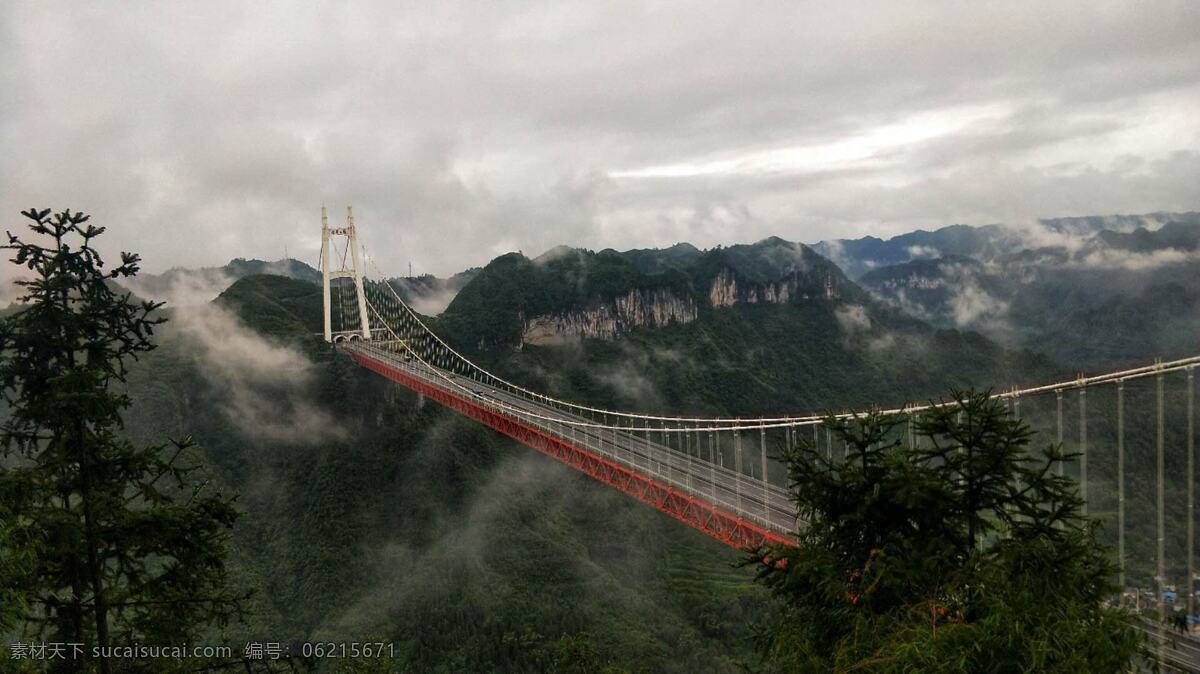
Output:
(970, 304)
(864, 149)
(853, 319)
(9, 290)
(630, 379)
(265, 388)
(181, 288)
(434, 303)
(1108, 258)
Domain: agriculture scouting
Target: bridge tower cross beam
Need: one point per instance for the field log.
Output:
(354, 273)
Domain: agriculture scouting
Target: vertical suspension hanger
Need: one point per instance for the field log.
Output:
(1160, 556)
(1191, 490)
(1058, 397)
(763, 457)
(737, 463)
(762, 437)
(1083, 448)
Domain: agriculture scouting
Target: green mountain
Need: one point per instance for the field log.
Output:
(1180, 235)
(427, 293)
(216, 279)
(617, 293)
(656, 260)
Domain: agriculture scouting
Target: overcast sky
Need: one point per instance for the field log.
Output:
(204, 131)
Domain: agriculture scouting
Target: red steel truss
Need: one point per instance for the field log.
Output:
(721, 525)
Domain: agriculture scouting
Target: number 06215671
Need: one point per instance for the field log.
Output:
(344, 649)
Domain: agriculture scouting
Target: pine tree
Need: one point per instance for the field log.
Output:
(15, 564)
(123, 547)
(966, 552)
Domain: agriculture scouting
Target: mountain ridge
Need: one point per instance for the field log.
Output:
(1110, 299)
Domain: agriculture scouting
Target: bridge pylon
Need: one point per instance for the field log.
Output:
(355, 272)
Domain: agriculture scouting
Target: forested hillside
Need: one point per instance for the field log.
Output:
(369, 513)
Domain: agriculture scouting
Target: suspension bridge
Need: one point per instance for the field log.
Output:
(717, 474)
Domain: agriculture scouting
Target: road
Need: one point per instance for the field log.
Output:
(1178, 652)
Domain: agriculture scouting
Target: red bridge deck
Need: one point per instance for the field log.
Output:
(686, 508)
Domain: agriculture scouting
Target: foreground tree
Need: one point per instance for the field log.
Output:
(108, 542)
(15, 565)
(965, 553)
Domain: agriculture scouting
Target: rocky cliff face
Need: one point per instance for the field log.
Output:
(659, 307)
(637, 308)
(914, 281)
(726, 291)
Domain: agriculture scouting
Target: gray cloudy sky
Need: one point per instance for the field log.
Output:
(203, 131)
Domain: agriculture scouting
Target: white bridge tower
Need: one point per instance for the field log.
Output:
(354, 272)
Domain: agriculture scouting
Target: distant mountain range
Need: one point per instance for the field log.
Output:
(1090, 299)
(1087, 291)
(183, 285)
(857, 257)
(426, 293)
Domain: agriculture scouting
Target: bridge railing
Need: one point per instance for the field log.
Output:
(680, 465)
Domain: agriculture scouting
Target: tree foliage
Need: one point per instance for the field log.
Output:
(116, 543)
(966, 552)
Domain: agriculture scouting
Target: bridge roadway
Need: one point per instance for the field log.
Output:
(743, 496)
(1176, 652)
